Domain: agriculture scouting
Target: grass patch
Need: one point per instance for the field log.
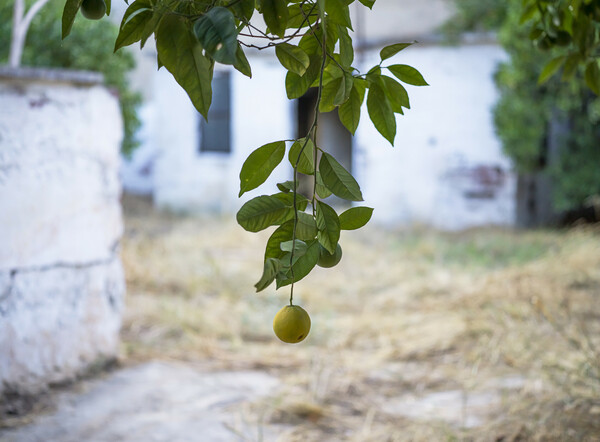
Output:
(509, 319)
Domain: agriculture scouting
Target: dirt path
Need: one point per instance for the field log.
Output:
(155, 401)
(173, 401)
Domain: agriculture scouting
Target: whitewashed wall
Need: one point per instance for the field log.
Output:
(447, 169)
(187, 180)
(61, 282)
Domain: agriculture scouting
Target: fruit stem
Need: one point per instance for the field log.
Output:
(292, 295)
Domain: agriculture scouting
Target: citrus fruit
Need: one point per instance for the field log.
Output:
(327, 259)
(93, 9)
(291, 324)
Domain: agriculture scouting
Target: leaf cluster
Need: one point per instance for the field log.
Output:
(547, 88)
(528, 108)
(573, 26)
(192, 36)
(312, 41)
(293, 249)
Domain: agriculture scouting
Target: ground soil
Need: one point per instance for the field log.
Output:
(489, 334)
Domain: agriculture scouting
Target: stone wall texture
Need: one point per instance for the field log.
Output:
(61, 281)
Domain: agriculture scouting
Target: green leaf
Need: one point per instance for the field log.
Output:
(346, 49)
(349, 112)
(297, 85)
(355, 217)
(338, 180)
(241, 63)
(271, 267)
(302, 266)
(592, 77)
(344, 89)
(571, 65)
(243, 9)
(391, 50)
(217, 33)
(329, 92)
(286, 186)
(181, 54)
(311, 41)
(293, 58)
(304, 157)
(150, 27)
(297, 13)
(322, 190)
(321, 5)
(306, 228)
(407, 74)
(283, 233)
(396, 94)
(338, 12)
(528, 13)
(68, 16)
(259, 165)
(298, 245)
(134, 22)
(368, 3)
(275, 13)
(550, 69)
(328, 224)
(261, 212)
(360, 84)
(381, 113)
(287, 198)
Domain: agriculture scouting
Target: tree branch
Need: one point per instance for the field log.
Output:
(20, 26)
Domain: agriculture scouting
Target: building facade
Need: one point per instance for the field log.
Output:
(446, 170)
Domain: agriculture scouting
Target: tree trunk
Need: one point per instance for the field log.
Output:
(20, 25)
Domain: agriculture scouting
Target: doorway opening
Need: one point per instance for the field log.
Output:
(332, 137)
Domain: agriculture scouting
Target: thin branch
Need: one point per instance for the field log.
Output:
(21, 22)
(32, 12)
(311, 132)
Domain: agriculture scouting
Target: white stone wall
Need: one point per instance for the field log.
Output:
(187, 180)
(61, 282)
(447, 168)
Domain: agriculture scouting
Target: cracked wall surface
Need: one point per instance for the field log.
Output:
(61, 281)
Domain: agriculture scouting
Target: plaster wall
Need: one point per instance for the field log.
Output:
(61, 282)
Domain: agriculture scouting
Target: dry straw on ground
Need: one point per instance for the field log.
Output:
(483, 335)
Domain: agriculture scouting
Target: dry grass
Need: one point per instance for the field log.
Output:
(509, 322)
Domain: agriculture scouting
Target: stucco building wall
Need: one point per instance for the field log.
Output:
(61, 281)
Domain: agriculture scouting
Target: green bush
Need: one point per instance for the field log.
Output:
(89, 47)
(526, 111)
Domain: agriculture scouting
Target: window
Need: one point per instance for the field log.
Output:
(215, 135)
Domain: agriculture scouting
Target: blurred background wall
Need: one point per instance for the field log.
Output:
(447, 169)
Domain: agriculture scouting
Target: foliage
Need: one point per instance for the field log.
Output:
(312, 42)
(529, 114)
(89, 47)
(475, 16)
(572, 25)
